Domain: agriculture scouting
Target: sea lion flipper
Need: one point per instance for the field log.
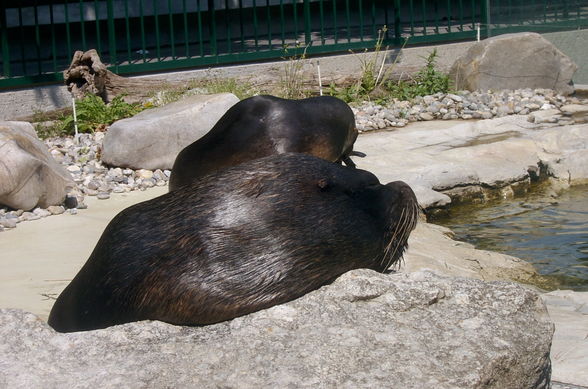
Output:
(348, 161)
(358, 154)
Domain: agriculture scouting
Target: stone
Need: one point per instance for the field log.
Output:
(153, 138)
(41, 212)
(29, 176)
(367, 330)
(426, 116)
(8, 223)
(28, 216)
(545, 116)
(514, 61)
(74, 169)
(577, 112)
(143, 173)
(70, 202)
(56, 209)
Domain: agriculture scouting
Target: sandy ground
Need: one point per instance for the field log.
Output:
(39, 258)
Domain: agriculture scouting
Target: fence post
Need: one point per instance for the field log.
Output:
(4, 41)
(397, 30)
(111, 35)
(212, 27)
(307, 37)
(485, 17)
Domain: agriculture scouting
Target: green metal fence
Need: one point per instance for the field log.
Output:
(39, 37)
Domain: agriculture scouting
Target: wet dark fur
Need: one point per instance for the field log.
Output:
(243, 239)
(265, 125)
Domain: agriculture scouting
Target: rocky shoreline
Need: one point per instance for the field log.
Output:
(81, 156)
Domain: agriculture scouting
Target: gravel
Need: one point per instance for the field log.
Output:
(466, 105)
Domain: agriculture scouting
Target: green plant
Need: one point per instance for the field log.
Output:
(93, 113)
(291, 80)
(241, 89)
(426, 81)
(373, 73)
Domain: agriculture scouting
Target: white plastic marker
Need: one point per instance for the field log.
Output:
(75, 118)
(318, 67)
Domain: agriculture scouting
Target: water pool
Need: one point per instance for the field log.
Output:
(549, 232)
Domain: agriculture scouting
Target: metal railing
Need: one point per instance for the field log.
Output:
(38, 37)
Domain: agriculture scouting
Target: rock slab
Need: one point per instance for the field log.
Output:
(29, 176)
(153, 138)
(366, 330)
(569, 309)
(514, 61)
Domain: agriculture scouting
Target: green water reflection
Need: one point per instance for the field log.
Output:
(551, 233)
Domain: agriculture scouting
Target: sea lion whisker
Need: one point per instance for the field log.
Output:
(392, 240)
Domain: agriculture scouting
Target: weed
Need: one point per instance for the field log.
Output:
(93, 113)
(239, 88)
(291, 81)
(427, 81)
(372, 76)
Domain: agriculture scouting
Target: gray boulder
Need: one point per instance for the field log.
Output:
(153, 138)
(514, 61)
(29, 176)
(366, 330)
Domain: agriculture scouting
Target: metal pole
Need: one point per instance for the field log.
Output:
(488, 21)
(307, 37)
(212, 27)
(397, 31)
(111, 34)
(4, 41)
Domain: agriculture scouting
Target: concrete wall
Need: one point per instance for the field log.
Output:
(575, 45)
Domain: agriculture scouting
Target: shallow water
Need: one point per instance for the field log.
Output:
(551, 233)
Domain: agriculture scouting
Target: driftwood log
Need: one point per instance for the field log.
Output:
(87, 74)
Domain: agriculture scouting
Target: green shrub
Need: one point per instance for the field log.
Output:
(427, 81)
(93, 113)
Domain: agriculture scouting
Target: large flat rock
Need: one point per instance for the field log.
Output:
(461, 259)
(366, 330)
(153, 138)
(448, 159)
(569, 352)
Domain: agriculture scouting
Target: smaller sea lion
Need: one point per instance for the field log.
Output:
(266, 125)
(246, 238)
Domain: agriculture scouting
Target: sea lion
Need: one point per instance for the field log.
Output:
(266, 125)
(243, 239)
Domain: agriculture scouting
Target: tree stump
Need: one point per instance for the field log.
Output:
(87, 74)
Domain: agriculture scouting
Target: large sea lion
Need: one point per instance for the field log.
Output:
(265, 125)
(243, 239)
